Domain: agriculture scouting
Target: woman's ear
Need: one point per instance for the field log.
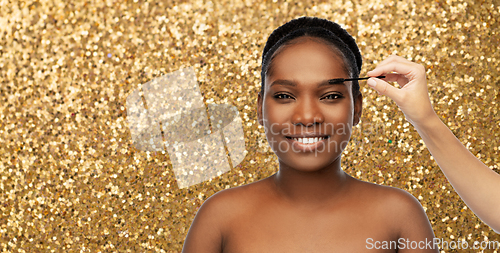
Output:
(259, 108)
(358, 109)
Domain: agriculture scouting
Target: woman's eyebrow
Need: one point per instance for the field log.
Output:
(283, 82)
(328, 83)
(291, 83)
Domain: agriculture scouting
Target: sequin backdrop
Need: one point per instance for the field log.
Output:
(73, 181)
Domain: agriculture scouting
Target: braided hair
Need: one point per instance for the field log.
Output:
(328, 31)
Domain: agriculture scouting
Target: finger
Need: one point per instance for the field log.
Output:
(400, 79)
(394, 58)
(409, 70)
(390, 64)
(383, 88)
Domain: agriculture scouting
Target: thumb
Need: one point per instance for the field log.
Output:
(382, 87)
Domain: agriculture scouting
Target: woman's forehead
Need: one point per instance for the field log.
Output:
(307, 59)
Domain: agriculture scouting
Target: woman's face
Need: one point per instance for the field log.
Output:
(308, 121)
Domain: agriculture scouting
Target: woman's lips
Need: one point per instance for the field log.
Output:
(306, 147)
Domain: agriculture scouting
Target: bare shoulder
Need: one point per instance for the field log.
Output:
(231, 202)
(218, 213)
(396, 198)
(402, 207)
(403, 212)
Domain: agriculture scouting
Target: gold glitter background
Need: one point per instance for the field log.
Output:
(71, 179)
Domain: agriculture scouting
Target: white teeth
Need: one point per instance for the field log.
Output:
(309, 140)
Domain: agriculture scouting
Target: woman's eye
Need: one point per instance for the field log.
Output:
(282, 96)
(332, 96)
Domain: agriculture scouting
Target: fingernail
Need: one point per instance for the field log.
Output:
(372, 83)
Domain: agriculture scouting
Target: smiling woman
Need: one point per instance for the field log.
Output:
(300, 103)
(310, 204)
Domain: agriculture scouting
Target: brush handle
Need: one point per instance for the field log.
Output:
(341, 80)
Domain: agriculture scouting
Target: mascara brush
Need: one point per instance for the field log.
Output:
(341, 80)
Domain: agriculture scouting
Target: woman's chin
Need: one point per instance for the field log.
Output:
(308, 164)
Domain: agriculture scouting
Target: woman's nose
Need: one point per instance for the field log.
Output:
(307, 113)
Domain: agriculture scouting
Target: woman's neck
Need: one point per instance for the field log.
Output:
(311, 189)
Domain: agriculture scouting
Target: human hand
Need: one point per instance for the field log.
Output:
(413, 97)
